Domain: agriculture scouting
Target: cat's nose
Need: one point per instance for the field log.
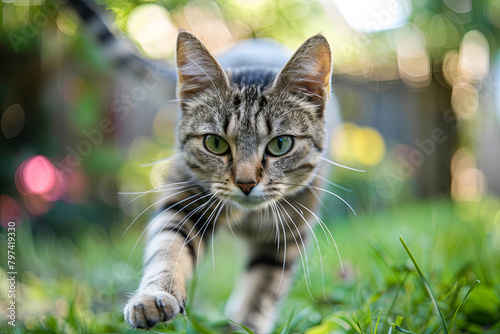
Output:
(246, 186)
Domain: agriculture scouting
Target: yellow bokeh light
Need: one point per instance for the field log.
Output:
(360, 145)
(66, 24)
(340, 145)
(369, 146)
(149, 25)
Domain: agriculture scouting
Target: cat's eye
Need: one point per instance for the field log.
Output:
(216, 144)
(280, 145)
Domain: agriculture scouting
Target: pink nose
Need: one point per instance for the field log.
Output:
(246, 186)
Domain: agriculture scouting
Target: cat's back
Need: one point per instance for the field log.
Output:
(255, 53)
(254, 61)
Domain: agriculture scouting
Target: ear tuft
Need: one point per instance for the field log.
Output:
(197, 68)
(308, 72)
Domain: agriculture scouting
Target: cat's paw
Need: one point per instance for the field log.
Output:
(145, 310)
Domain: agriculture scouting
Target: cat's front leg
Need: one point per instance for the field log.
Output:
(161, 295)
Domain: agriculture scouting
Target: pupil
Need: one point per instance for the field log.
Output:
(280, 143)
(216, 142)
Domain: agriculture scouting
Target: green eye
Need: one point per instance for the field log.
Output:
(280, 145)
(216, 144)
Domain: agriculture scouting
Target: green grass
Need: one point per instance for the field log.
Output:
(427, 282)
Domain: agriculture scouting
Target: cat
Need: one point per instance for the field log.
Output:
(251, 142)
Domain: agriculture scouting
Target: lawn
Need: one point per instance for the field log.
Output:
(79, 285)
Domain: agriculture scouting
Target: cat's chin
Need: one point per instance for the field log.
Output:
(250, 203)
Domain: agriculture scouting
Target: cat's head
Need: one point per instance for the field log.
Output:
(256, 134)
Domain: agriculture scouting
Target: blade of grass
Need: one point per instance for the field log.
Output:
(286, 328)
(248, 330)
(402, 330)
(378, 319)
(370, 319)
(397, 326)
(356, 321)
(426, 284)
(396, 295)
(295, 319)
(472, 287)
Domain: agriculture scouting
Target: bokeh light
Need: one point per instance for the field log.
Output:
(10, 211)
(12, 121)
(468, 182)
(373, 16)
(150, 26)
(474, 56)
(464, 100)
(38, 175)
(450, 67)
(413, 61)
(351, 144)
(40, 182)
(205, 20)
(66, 23)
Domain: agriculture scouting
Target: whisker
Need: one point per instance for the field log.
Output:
(159, 189)
(161, 160)
(164, 185)
(331, 193)
(181, 222)
(333, 183)
(157, 217)
(324, 227)
(277, 252)
(179, 192)
(230, 208)
(211, 200)
(277, 233)
(342, 166)
(213, 231)
(317, 198)
(274, 225)
(303, 256)
(298, 231)
(154, 190)
(301, 212)
(327, 191)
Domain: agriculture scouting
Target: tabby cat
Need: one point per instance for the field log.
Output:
(250, 141)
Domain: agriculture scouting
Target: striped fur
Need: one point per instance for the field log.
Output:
(247, 107)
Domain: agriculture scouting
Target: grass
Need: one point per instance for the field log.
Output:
(425, 282)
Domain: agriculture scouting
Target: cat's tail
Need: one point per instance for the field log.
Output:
(122, 54)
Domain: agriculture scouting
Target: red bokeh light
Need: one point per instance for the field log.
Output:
(40, 182)
(38, 175)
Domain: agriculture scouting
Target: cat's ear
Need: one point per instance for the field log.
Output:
(308, 72)
(197, 68)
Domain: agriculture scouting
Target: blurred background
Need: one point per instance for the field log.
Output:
(417, 83)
